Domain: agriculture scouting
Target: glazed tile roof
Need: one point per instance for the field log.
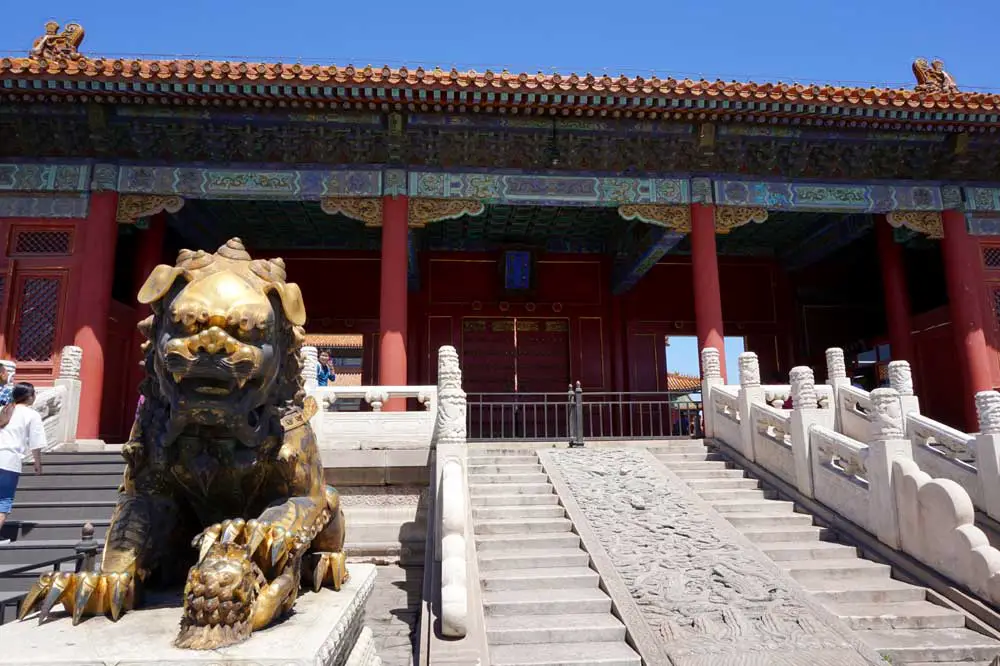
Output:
(679, 382)
(57, 71)
(209, 71)
(348, 341)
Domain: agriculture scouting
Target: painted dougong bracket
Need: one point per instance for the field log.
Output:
(134, 207)
(421, 210)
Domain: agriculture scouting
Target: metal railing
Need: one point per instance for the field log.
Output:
(84, 559)
(578, 415)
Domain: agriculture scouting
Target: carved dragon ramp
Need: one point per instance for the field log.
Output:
(221, 457)
(691, 590)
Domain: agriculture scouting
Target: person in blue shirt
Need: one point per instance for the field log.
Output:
(6, 388)
(324, 370)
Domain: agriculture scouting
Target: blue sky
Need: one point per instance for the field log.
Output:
(682, 356)
(871, 41)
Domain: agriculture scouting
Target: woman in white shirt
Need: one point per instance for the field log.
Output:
(21, 433)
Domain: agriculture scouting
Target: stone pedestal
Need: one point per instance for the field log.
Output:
(325, 629)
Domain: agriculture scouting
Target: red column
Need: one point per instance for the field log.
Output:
(895, 294)
(97, 252)
(392, 310)
(149, 254)
(707, 295)
(961, 265)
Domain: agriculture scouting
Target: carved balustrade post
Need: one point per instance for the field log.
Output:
(711, 376)
(836, 377)
(310, 361)
(70, 361)
(901, 379)
(886, 444)
(805, 413)
(988, 450)
(750, 392)
(451, 513)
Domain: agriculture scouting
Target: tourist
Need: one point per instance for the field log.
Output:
(20, 431)
(324, 370)
(6, 388)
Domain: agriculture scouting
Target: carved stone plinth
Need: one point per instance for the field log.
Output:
(327, 628)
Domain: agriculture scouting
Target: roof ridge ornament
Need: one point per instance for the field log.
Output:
(56, 45)
(933, 78)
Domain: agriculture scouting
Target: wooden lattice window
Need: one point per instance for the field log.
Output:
(37, 319)
(50, 242)
(991, 258)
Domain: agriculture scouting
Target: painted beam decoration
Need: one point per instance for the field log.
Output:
(295, 185)
(642, 256)
(828, 196)
(29, 177)
(69, 205)
(549, 190)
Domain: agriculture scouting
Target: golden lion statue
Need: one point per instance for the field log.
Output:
(221, 452)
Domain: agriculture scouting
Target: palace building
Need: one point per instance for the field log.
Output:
(556, 228)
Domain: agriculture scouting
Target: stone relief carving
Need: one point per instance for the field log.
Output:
(836, 368)
(703, 596)
(70, 361)
(711, 364)
(451, 421)
(886, 415)
(749, 369)
(900, 377)
(988, 409)
(803, 388)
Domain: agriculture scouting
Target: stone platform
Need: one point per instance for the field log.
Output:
(689, 587)
(325, 629)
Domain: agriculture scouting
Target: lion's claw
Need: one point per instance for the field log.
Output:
(327, 569)
(83, 593)
(253, 534)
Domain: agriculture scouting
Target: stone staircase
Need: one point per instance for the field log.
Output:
(49, 514)
(892, 617)
(542, 600)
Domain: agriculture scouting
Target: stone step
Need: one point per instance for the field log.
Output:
(22, 582)
(908, 645)
(523, 526)
(539, 629)
(556, 578)
(508, 478)
(698, 465)
(693, 474)
(520, 511)
(520, 542)
(870, 591)
(797, 550)
(743, 520)
(30, 550)
(849, 569)
(906, 615)
(503, 460)
(46, 530)
(50, 465)
(565, 654)
(532, 559)
(500, 468)
(102, 492)
(56, 479)
(734, 494)
(785, 533)
(546, 602)
(514, 500)
(771, 507)
(679, 446)
(85, 510)
(681, 456)
(740, 483)
(61, 458)
(508, 488)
